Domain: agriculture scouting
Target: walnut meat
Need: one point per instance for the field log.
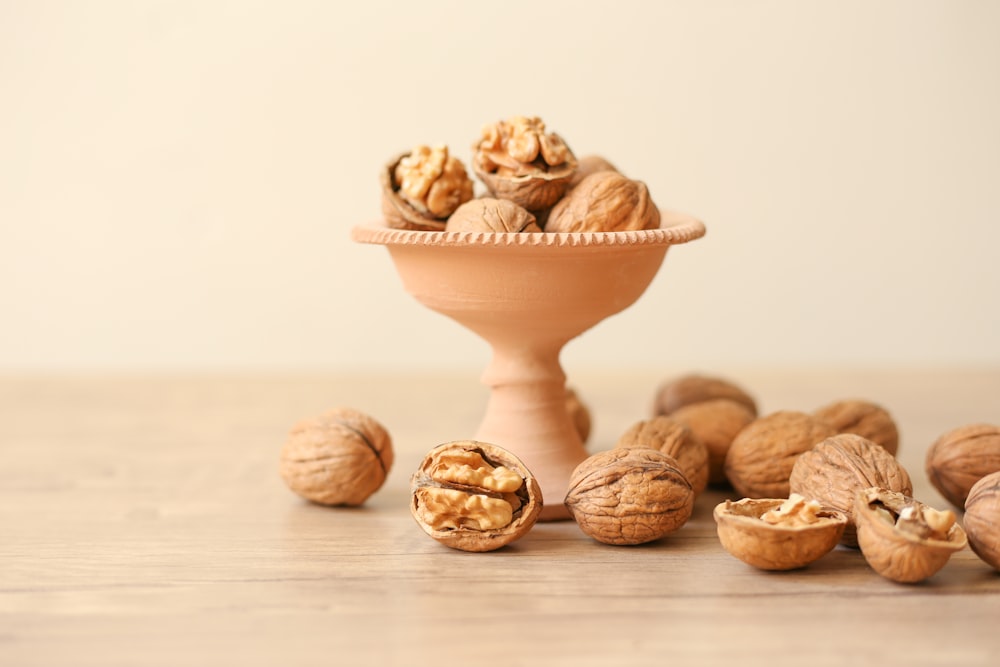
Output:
(474, 496)
(339, 458)
(864, 418)
(902, 539)
(838, 468)
(760, 458)
(694, 388)
(778, 534)
(673, 439)
(715, 423)
(629, 496)
(491, 215)
(420, 189)
(961, 457)
(605, 201)
(982, 519)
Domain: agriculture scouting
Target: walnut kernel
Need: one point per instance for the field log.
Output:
(420, 189)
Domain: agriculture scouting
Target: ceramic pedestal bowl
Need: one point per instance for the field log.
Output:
(527, 295)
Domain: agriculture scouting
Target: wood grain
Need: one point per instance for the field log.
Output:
(143, 522)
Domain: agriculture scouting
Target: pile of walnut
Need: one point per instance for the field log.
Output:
(533, 180)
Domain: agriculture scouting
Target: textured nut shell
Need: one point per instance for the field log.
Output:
(760, 459)
(774, 547)
(605, 201)
(398, 213)
(339, 458)
(477, 540)
(535, 192)
(835, 470)
(675, 440)
(629, 496)
(961, 457)
(590, 164)
(579, 413)
(491, 215)
(685, 390)
(982, 519)
(896, 554)
(715, 423)
(864, 418)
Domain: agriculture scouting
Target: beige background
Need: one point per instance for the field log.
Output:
(178, 179)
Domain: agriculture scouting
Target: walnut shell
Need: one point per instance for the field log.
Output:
(605, 201)
(836, 469)
(673, 439)
(338, 458)
(629, 496)
(715, 423)
(775, 546)
(760, 458)
(982, 519)
(579, 414)
(589, 164)
(864, 418)
(961, 457)
(398, 213)
(687, 389)
(491, 215)
(474, 496)
(897, 551)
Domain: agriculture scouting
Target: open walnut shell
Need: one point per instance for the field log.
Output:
(438, 190)
(903, 539)
(782, 545)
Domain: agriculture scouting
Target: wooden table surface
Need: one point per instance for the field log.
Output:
(143, 522)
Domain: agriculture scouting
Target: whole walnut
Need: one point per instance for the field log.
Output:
(715, 423)
(982, 519)
(605, 201)
(338, 458)
(864, 418)
(491, 215)
(760, 458)
(961, 457)
(673, 439)
(695, 388)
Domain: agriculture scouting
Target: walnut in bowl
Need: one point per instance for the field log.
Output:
(420, 189)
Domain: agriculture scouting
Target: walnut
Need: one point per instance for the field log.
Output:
(715, 423)
(605, 201)
(961, 457)
(474, 496)
(589, 164)
(836, 469)
(519, 161)
(420, 189)
(491, 215)
(338, 458)
(629, 496)
(982, 519)
(687, 389)
(778, 534)
(673, 439)
(863, 418)
(579, 414)
(760, 458)
(902, 539)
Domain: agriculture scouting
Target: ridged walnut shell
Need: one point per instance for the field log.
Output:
(399, 213)
(864, 418)
(674, 439)
(629, 496)
(715, 423)
(982, 519)
(444, 490)
(897, 554)
(838, 468)
(535, 192)
(775, 546)
(491, 215)
(694, 388)
(605, 201)
(961, 457)
(338, 458)
(760, 458)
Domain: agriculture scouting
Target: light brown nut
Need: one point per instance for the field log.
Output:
(474, 496)
(579, 414)
(629, 496)
(338, 458)
(491, 215)
(673, 439)
(800, 534)
(589, 164)
(694, 388)
(715, 423)
(605, 201)
(982, 519)
(518, 160)
(836, 469)
(420, 189)
(960, 458)
(760, 459)
(864, 418)
(902, 539)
